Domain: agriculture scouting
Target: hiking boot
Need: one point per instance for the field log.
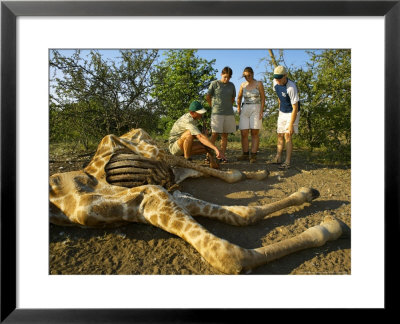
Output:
(243, 157)
(253, 157)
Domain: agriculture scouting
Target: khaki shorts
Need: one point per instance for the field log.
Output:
(223, 124)
(250, 117)
(175, 149)
(284, 120)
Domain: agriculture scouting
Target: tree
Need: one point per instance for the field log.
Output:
(325, 95)
(181, 78)
(328, 93)
(91, 96)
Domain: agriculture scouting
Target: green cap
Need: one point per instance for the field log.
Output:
(197, 107)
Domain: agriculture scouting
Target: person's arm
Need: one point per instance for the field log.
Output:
(262, 96)
(279, 102)
(293, 117)
(205, 141)
(294, 97)
(208, 98)
(210, 93)
(239, 99)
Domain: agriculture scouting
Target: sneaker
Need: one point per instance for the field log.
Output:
(253, 158)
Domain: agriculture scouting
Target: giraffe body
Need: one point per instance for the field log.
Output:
(86, 198)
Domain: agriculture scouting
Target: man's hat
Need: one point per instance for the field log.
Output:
(197, 107)
(279, 72)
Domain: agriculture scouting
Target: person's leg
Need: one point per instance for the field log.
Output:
(289, 148)
(191, 146)
(213, 137)
(255, 140)
(229, 127)
(244, 126)
(289, 141)
(216, 129)
(281, 128)
(185, 142)
(224, 142)
(187, 147)
(198, 148)
(244, 133)
(255, 126)
(279, 147)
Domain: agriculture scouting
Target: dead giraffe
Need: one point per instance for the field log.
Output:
(124, 183)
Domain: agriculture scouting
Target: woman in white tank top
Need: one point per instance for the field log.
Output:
(251, 112)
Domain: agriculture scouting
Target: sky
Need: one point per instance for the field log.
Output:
(236, 59)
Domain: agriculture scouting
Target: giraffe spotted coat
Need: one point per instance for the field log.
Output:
(87, 198)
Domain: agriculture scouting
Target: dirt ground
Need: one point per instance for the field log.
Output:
(144, 249)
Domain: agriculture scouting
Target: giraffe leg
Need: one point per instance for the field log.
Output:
(242, 215)
(158, 208)
(330, 229)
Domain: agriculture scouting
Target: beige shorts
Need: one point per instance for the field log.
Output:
(284, 120)
(175, 149)
(223, 124)
(250, 117)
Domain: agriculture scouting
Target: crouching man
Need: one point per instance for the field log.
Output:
(186, 139)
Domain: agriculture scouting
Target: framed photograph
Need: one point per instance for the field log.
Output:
(29, 29)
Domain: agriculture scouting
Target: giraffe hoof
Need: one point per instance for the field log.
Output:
(346, 231)
(310, 193)
(337, 227)
(314, 194)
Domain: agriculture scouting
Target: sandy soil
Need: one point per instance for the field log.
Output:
(144, 249)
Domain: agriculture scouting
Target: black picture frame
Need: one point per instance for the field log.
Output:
(10, 10)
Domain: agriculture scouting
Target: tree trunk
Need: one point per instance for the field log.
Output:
(271, 53)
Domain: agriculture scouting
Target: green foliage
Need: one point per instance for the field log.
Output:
(179, 79)
(91, 97)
